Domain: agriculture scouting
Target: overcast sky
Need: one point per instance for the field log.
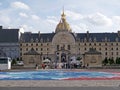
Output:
(44, 15)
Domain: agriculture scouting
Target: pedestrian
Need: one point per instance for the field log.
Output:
(36, 67)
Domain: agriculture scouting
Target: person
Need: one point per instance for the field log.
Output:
(36, 66)
(43, 66)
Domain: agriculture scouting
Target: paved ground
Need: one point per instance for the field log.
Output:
(60, 83)
(60, 88)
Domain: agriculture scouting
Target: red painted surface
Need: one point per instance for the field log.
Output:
(85, 78)
(117, 77)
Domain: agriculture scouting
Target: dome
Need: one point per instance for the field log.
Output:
(63, 25)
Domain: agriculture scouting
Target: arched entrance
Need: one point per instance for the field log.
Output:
(63, 57)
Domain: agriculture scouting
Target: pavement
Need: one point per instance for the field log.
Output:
(59, 83)
(59, 88)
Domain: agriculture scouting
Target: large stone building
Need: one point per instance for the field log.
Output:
(9, 43)
(63, 44)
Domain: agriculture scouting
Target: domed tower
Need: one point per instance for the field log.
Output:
(63, 25)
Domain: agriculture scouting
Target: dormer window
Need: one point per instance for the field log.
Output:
(41, 40)
(36, 40)
(90, 40)
(105, 39)
(47, 39)
(116, 39)
(85, 39)
(94, 39)
(32, 40)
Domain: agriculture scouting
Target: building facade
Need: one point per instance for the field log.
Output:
(63, 44)
(9, 43)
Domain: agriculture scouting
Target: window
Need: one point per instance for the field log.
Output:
(36, 44)
(20, 44)
(99, 48)
(116, 48)
(111, 48)
(57, 47)
(41, 53)
(26, 44)
(116, 44)
(85, 48)
(68, 47)
(41, 49)
(105, 44)
(95, 44)
(105, 53)
(26, 49)
(47, 44)
(116, 53)
(90, 44)
(3, 60)
(36, 49)
(99, 44)
(112, 44)
(47, 48)
(85, 44)
(105, 48)
(32, 44)
(21, 54)
(112, 53)
(79, 48)
(20, 49)
(41, 44)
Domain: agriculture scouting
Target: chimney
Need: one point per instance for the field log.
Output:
(0, 27)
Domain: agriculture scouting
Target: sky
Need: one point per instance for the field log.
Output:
(95, 16)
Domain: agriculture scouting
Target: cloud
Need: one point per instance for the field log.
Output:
(20, 5)
(99, 19)
(5, 19)
(35, 17)
(52, 22)
(79, 27)
(116, 19)
(73, 15)
(52, 17)
(26, 27)
(23, 14)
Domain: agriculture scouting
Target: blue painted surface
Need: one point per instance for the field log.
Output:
(52, 75)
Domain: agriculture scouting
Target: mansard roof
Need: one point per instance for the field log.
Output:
(9, 35)
(98, 37)
(43, 37)
(82, 37)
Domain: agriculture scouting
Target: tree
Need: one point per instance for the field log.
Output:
(18, 59)
(14, 62)
(117, 60)
(105, 61)
(110, 61)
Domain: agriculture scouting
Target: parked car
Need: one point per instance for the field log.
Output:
(20, 63)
